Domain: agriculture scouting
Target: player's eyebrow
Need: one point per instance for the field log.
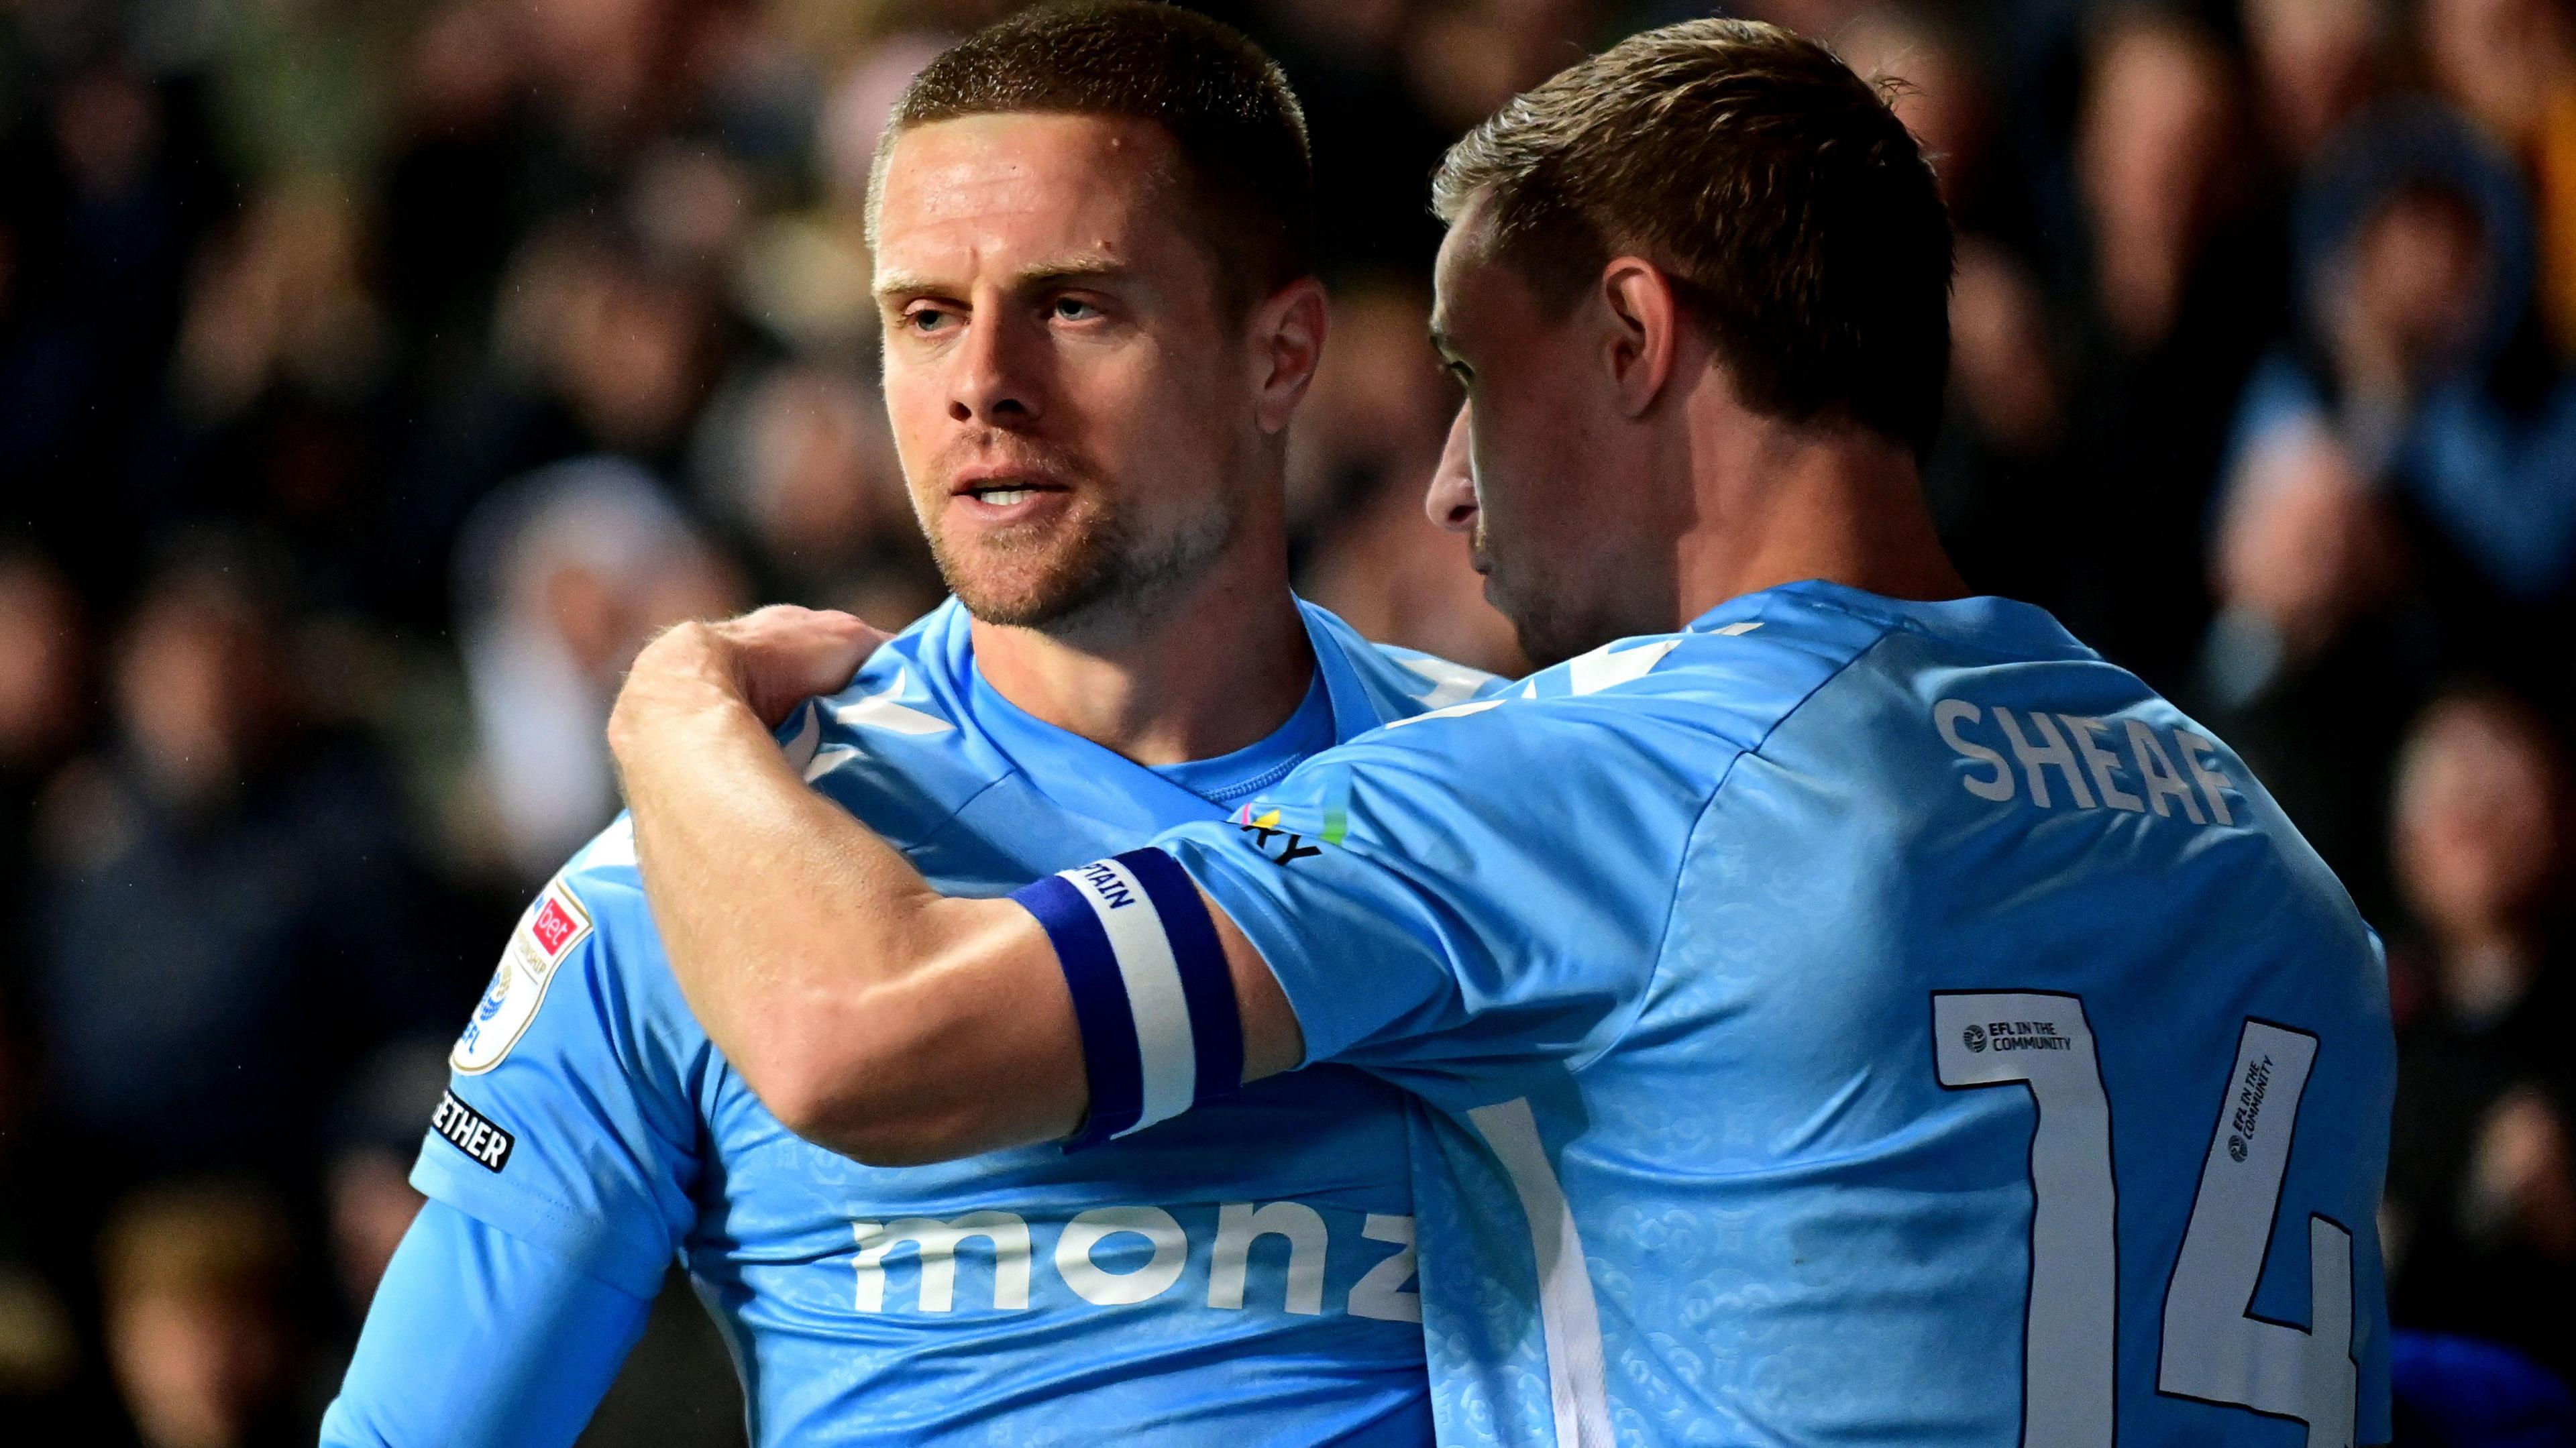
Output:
(1089, 266)
(891, 284)
(1095, 267)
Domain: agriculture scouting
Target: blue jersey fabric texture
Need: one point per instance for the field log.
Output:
(1241, 1275)
(478, 1338)
(1848, 1021)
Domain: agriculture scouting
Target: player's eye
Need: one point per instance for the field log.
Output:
(929, 319)
(1074, 309)
(1459, 370)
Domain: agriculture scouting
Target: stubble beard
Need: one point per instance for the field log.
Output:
(1546, 633)
(1092, 573)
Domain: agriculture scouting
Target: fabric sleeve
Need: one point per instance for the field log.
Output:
(479, 1340)
(569, 1121)
(1464, 896)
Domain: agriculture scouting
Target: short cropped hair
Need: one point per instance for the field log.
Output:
(1777, 188)
(1224, 102)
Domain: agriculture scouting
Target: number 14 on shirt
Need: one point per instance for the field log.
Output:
(2213, 1348)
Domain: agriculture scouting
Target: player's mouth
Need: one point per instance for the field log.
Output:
(1007, 497)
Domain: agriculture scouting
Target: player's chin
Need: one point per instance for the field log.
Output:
(1017, 590)
(1545, 635)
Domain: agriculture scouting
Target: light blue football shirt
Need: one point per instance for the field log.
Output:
(1243, 1276)
(1848, 1021)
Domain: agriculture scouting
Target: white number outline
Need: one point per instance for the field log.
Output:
(2326, 1234)
(2068, 1122)
(2321, 1432)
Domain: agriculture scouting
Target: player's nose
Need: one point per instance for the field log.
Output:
(1451, 499)
(994, 381)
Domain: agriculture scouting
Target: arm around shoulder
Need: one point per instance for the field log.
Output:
(870, 1014)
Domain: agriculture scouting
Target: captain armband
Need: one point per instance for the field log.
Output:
(1151, 992)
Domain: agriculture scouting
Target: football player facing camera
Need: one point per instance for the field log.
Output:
(1091, 239)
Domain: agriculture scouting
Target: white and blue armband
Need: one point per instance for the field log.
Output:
(1151, 993)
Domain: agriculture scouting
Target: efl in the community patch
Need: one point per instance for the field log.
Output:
(546, 934)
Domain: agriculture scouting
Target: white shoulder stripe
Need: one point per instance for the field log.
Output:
(1454, 711)
(883, 710)
(809, 735)
(1450, 682)
(1602, 669)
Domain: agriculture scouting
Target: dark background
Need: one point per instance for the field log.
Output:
(376, 374)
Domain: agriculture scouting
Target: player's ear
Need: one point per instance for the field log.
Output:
(1637, 347)
(1286, 340)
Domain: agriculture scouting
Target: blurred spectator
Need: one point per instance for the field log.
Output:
(1395, 577)
(1378, 408)
(39, 1353)
(2179, 291)
(1468, 57)
(598, 347)
(560, 579)
(2416, 264)
(2315, 62)
(803, 465)
(2403, 477)
(2456, 1392)
(275, 409)
(2511, 64)
(2307, 562)
(1359, 69)
(106, 183)
(43, 717)
(609, 340)
(1941, 92)
(2001, 462)
(194, 1288)
(457, 188)
(229, 910)
(2482, 1186)
(1363, 447)
(367, 1191)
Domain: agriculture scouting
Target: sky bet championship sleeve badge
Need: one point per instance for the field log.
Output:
(546, 934)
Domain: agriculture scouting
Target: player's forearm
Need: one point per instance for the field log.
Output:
(842, 987)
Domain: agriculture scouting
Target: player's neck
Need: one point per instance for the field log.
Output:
(1214, 667)
(1775, 504)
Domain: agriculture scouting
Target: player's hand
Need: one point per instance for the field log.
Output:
(782, 655)
(770, 659)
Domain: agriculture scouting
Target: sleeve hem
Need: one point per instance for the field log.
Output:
(612, 1258)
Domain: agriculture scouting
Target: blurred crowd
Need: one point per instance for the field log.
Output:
(376, 374)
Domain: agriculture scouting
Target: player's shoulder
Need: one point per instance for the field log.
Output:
(1752, 663)
(595, 905)
(584, 924)
(604, 877)
(898, 746)
(586, 956)
(1732, 675)
(1682, 706)
(1394, 682)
